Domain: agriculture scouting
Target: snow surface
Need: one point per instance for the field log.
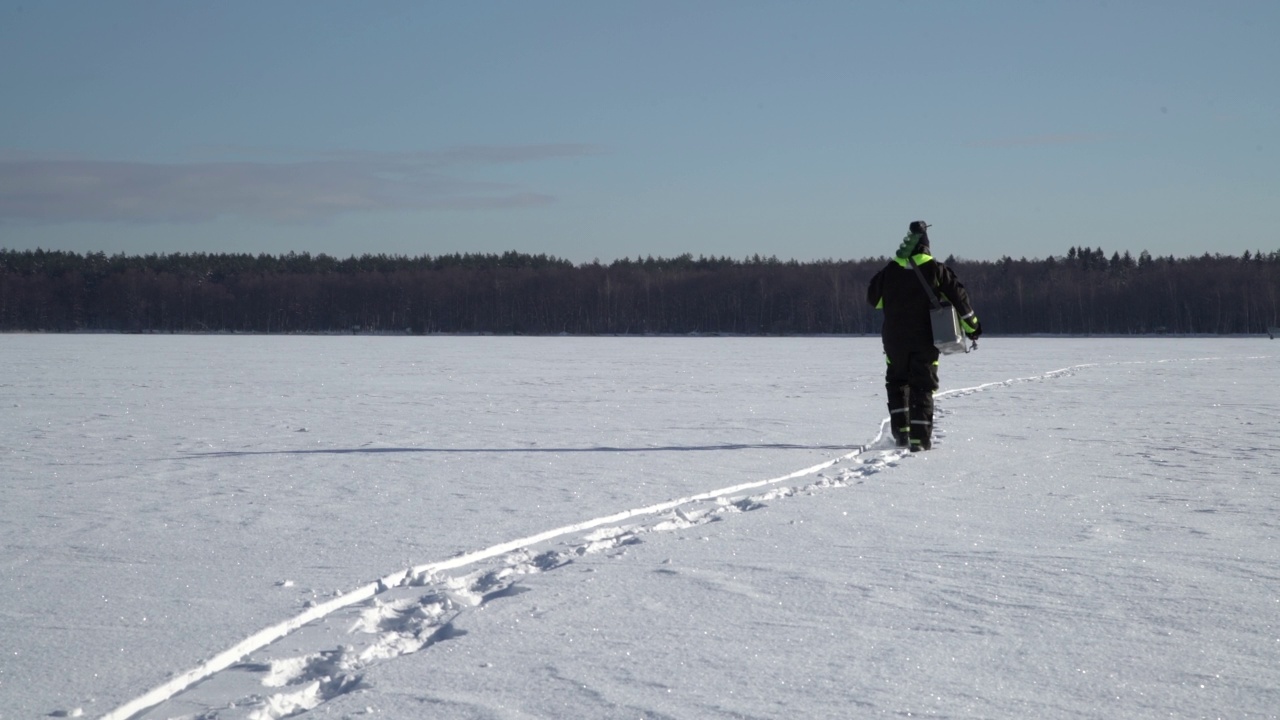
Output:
(489, 527)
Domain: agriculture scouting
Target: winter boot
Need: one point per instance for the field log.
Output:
(921, 413)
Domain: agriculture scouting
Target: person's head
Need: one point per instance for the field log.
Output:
(917, 241)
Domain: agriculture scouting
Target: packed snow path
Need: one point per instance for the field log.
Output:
(413, 609)
(410, 610)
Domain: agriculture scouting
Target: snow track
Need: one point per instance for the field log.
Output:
(412, 609)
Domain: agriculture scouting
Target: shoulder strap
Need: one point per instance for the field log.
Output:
(933, 297)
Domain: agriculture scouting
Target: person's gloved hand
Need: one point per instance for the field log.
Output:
(976, 332)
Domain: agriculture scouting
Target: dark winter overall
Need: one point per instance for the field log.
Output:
(911, 376)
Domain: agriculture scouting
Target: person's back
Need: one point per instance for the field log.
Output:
(911, 376)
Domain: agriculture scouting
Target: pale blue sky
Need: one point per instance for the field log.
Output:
(595, 129)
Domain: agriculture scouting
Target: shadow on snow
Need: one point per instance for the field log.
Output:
(600, 449)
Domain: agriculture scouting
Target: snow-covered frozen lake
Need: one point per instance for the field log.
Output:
(1095, 534)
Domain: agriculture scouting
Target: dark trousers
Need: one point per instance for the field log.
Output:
(911, 377)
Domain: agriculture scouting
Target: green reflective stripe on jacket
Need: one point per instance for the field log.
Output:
(920, 258)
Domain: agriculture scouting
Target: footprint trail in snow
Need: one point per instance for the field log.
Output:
(411, 611)
(321, 654)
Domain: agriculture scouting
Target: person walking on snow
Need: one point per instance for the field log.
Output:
(911, 376)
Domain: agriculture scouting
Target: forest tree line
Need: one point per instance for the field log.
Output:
(1081, 292)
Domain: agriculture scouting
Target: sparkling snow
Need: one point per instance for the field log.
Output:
(484, 527)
